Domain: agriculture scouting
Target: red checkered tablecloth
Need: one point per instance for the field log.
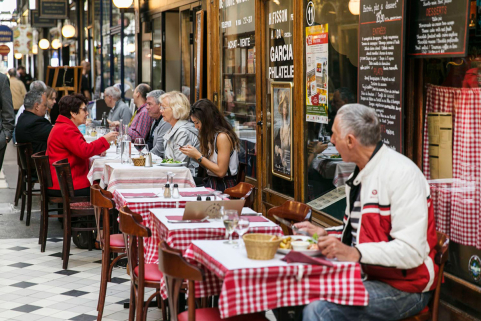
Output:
(457, 206)
(250, 290)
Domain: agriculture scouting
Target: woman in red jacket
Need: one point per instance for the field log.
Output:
(66, 141)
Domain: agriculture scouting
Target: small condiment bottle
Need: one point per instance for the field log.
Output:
(175, 191)
(199, 198)
(207, 198)
(167, 191)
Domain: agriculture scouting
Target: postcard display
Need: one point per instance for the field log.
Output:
(381, 65)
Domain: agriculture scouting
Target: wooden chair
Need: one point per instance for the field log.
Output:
(292, 211)
(175, 269)
(43, 172)
(102, 202)
(141, 275)
(242, 191)
(241, 173)
(24, 154)
(18, 190)
(431, 311)
(73, 207)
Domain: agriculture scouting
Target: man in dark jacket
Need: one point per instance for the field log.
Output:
(7, 116)
(32, 125)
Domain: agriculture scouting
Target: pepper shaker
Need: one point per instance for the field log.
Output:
(167, 191)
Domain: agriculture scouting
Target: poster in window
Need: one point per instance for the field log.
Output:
(281, 135)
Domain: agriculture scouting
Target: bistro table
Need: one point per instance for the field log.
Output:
(115, 176)
(250, 286)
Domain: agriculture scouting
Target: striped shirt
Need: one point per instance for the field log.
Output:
(356, 217)
(141, 124)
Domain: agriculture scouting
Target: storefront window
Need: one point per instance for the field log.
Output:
(238, 77)
(186, 30)
(146, 55)
(157, 54)
(129, 52)
(115, 16)
(106, 61)
(279, 104)
(330, 82)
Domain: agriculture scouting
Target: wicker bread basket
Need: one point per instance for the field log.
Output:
(259, 246)
(139, 161)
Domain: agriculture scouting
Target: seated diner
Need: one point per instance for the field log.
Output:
(176, 111)
(66, 141)
(219, 146)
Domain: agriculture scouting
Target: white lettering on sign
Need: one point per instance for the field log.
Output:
(278, 16)
(226, 24)
(281, 72)
(245, 42)
(232, 44)
(281, 53)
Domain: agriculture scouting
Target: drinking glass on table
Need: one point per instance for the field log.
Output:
(230, 220)
(114, 142)
(139, 144)
(241, 229)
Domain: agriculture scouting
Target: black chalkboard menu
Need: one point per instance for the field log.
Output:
(53, 9)
(381, 65)
(438, 28)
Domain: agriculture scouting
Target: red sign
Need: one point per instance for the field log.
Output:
(4, 50)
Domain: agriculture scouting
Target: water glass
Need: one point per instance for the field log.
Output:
(217, 194)
(230, 220)
(241, 229)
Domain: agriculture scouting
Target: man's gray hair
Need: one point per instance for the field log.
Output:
(156, 95)
(114, 92)
(32, 97)
(360, 121)
(12, 72)
(38, 85)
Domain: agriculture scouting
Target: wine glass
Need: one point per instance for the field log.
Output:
(230, 220)
(241, 229)
(139, 144)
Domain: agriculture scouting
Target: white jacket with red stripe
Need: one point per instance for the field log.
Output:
(396, 235)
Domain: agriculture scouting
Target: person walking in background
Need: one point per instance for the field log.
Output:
(17, 88)
(141, 122)
(7, 116)
(86, 87)
(24, 77)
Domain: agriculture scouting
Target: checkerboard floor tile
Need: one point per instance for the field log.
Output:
(34, 287)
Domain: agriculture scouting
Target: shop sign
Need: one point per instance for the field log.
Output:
(4, 50)
(381, 65)
(281, 59)
(438, 28)
(310, 13)
(38, 22)
(474, 267)
(54, 9)
(22, 39)
(6, 34)
(317, 39)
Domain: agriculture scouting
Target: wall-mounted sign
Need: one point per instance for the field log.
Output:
(54, 9)
(38, 22)
(438, 28)
(4, 50)
(6, 34)
(381, 65)
(317, 42)
(22, 39)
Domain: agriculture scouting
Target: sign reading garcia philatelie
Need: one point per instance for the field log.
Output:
(381, 65)
(438, 28)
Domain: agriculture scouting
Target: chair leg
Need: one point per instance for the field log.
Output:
(132, 303)
(44, 228)
(22, 210)
(29, 202)
(103, 283)
(140, 303)
(42, 211)
(67, 236)
(147, 304)
(19, 188)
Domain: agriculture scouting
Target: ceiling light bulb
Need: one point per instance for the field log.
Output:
(122, 4)
(68, 31)
(56, 44)
(354, 7)
(44, 44)
(18, 55)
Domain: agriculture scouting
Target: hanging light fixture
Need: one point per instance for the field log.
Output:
(68, 31)
(18, 55)
(354, 7)
(44, 44)
(34, 49)
(56, 44)
(122, 4)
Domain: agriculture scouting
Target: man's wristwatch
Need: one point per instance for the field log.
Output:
(200, 159)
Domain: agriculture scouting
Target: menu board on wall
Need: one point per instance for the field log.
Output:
(55, 9)
(438, 28)
(381, 65)
(38, 22)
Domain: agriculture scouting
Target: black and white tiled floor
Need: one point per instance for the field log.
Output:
(33, 285)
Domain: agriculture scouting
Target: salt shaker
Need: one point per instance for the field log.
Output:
(175, 191)
(167, 191)
(207, 198)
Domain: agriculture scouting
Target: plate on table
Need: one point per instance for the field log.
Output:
(173, 164)
(300, 238)
(333, 157)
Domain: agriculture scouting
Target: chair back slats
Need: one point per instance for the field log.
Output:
(241, 172)
(24, 153)
(102, 205)
(43, 169)
(175, 270)
(64, 175)
(292, 211)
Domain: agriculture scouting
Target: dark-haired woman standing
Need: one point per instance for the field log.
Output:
(218, 145)
(66, 141)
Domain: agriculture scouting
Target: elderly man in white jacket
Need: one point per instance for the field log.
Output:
(388, 226)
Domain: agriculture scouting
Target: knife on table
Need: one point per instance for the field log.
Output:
(288, 224)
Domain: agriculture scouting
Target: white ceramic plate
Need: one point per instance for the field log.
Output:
(300, 237)
(173, 164)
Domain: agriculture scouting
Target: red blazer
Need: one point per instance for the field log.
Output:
(66, 141)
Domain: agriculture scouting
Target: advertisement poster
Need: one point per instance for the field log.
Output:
(317, 73)
(22, 39)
